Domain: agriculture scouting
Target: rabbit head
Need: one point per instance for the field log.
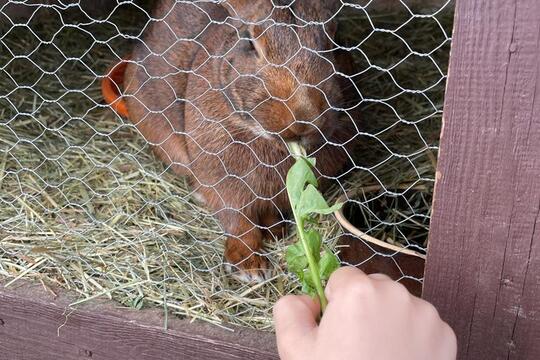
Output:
(279, 73)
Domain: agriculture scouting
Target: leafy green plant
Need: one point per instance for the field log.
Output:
(304, 257)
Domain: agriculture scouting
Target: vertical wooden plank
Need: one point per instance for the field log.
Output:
(483, 265)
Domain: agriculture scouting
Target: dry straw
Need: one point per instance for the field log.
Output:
(84, 206)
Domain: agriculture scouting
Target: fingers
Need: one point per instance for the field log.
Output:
(380, 277)
(342, 279)
(295, 318)
(441, 336)
(451, 342)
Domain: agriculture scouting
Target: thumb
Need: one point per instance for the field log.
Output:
(295, 319)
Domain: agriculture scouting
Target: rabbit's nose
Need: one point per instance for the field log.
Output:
(308, 107)
(299, 130)
(304, 128)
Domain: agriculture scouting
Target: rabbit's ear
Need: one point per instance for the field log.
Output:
(249, 10)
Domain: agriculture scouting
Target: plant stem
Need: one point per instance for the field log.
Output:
(313, 266)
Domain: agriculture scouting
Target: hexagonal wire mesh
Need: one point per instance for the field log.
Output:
(87, 206)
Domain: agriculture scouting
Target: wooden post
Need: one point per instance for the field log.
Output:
(483, 264)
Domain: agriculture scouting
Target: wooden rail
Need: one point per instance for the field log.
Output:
(34, 325)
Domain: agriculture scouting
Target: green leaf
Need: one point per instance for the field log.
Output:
(311, 220)
(312, 202)
(328, 264)
(296, 258)
(298, 175)
(308, 285)
(313, 239)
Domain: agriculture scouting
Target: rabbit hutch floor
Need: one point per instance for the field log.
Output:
(86, 207)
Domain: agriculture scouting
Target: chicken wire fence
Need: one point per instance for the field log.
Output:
(215, 89)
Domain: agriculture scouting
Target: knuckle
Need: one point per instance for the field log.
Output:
(283, 304)
(430, 312)
(346, 272)
(401, 291)
(450, 335)
(362, 287)
(380, 277)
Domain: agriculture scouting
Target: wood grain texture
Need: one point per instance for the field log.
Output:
(36, 326)
(483, 265)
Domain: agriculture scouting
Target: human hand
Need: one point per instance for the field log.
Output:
(368, 317)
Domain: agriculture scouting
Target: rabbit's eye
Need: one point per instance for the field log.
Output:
(249, 42)
(252, 45)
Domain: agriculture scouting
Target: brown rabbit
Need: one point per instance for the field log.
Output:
(218, 89)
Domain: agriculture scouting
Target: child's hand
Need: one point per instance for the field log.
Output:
(368, 317)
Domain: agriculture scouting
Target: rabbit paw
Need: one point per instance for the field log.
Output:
(251, 269)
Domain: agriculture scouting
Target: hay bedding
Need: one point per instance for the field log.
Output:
(86, 207)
